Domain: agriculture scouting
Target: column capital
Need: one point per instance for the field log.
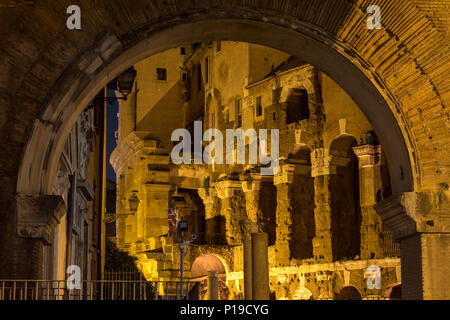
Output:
(207, 196)
(226, 188)
(37, 215)
(415, 212)
(255, 185)
(324, 162)
(368, 155)
(287, 171)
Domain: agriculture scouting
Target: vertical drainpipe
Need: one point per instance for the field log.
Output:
(102, 191)
(71, 207)
(135, 104)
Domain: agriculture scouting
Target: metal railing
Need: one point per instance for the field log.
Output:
(391, 248)
(97, 290)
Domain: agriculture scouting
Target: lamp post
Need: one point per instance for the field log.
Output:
(182, 228)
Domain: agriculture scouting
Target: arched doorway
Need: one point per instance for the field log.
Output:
(394, 292)
(199, 272)
(349, 293)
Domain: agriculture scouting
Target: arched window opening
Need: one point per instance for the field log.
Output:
(297, 106)
(345, 201)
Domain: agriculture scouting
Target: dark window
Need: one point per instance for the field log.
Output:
(258, 106)
(297, 106)
(184, 76)
(238, 113)
(219, 46)
(183, 51)
(199, 77)
(188, 86)
(274, 116)
(161, 73)
(206, 70)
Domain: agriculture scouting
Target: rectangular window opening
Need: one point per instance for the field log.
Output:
(161, 74)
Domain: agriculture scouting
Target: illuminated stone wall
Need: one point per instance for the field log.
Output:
(317, 210)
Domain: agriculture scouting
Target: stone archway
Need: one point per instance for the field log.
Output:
(348, 293)
(53, 74)
(108, 57)
(199, 272)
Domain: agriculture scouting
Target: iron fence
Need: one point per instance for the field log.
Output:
(97, 290)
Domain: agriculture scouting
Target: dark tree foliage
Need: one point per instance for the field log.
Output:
(117, 259)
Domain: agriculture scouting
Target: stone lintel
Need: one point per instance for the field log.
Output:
(37, 215)
(368, 155)
(157, 187)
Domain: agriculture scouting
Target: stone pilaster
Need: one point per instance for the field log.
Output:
(370, 182)
(323, 167)
(283, 181)
(232, 209)
(212, 214)
(252, 198)
(421, 222)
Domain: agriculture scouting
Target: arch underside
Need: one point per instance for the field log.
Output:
(112, 55)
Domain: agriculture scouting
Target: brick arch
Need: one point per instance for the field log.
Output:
(112, 53)
(49, 74)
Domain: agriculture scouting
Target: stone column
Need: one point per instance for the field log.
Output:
(212, 212)
(323, 167)
(283, 181)
(260, 267)
(252, 192)
(213, 285)
(369, 161)
(421, 222)
(247, 267)
(232, 209)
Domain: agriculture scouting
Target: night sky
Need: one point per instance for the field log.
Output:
(111, 128)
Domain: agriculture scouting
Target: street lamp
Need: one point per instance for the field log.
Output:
(123, 83)
(134, 202)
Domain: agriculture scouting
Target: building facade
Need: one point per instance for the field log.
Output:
(76, 239)
(325, 238)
